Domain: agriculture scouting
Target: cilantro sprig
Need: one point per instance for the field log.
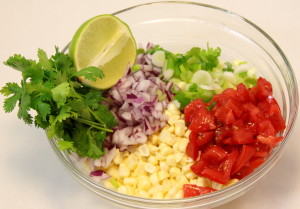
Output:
(66, 109)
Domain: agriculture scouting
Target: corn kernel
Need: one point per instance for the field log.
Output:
(172, 192)
(164, 166)
(165, 151)
(190, 174)
(123, 170)
(171, 107)
(130, 190)
(176, 144)
(130, 181)
(173, 117)
(216, 185)
(161, 175)
(171, 129)
(230, 182)
(149, 167)
(123, 189)
(166, 185)
(158, 195)
(143, 194)
(139, 170)
(178, 156)
(182, 180)
(154, 179)
(187, 133)
(154, 139)
(113, 171)
(170, 160)
(108, 185)
(143, 150)
(193, 181)
(179, 194)
(164, 134)
(152, 160)
(152, 149)
(183, 145)
(117, 159)
(174, 171)
(132, 161)
(201, 181)
(143, 182)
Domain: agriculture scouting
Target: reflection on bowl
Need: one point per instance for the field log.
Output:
(178, 26)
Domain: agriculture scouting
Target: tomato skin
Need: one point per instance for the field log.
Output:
(191, 190)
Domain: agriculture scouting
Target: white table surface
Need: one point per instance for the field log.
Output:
(31, 176)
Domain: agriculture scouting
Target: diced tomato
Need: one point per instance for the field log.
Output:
(237, 134)
(262, 150)
(248, 169)
(223, 132)
(264, 89)
(252, 95)
(271, 141)
(242, 93)
(271, 111)
(214, 154)
(241, 135)
(190, 109)
(265, 128)
(192, 150)
(198, 167)
(244, 157)
(202, 138)
(229, 163)
(252, 111)
(191, 190)
(215, 175)
(202, 120)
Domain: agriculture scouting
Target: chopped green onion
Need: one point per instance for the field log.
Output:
(114, 182)
(136, 68)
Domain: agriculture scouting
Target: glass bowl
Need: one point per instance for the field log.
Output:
(178, 26)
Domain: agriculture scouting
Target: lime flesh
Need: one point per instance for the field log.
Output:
(105, 42)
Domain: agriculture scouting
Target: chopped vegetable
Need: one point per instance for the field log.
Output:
(234, 132)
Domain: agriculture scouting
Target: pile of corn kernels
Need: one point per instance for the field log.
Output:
(159, 168)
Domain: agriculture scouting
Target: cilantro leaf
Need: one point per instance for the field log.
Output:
(60, 93)
(19, 62)
(43, 59)
(90, 73)
(65, 145)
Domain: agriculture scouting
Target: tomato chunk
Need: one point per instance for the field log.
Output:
(202, 121)
(190, 109)
(214, 155)
(191, 190)
(244, 157)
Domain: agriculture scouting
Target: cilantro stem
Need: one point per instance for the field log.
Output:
(93, 124)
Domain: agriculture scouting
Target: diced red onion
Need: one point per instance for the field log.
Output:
(136, 103)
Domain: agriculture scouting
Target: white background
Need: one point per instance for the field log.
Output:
(31, 176)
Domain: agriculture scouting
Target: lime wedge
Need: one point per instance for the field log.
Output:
(105, 42)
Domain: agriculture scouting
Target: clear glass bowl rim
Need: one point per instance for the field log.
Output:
(263, 168)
